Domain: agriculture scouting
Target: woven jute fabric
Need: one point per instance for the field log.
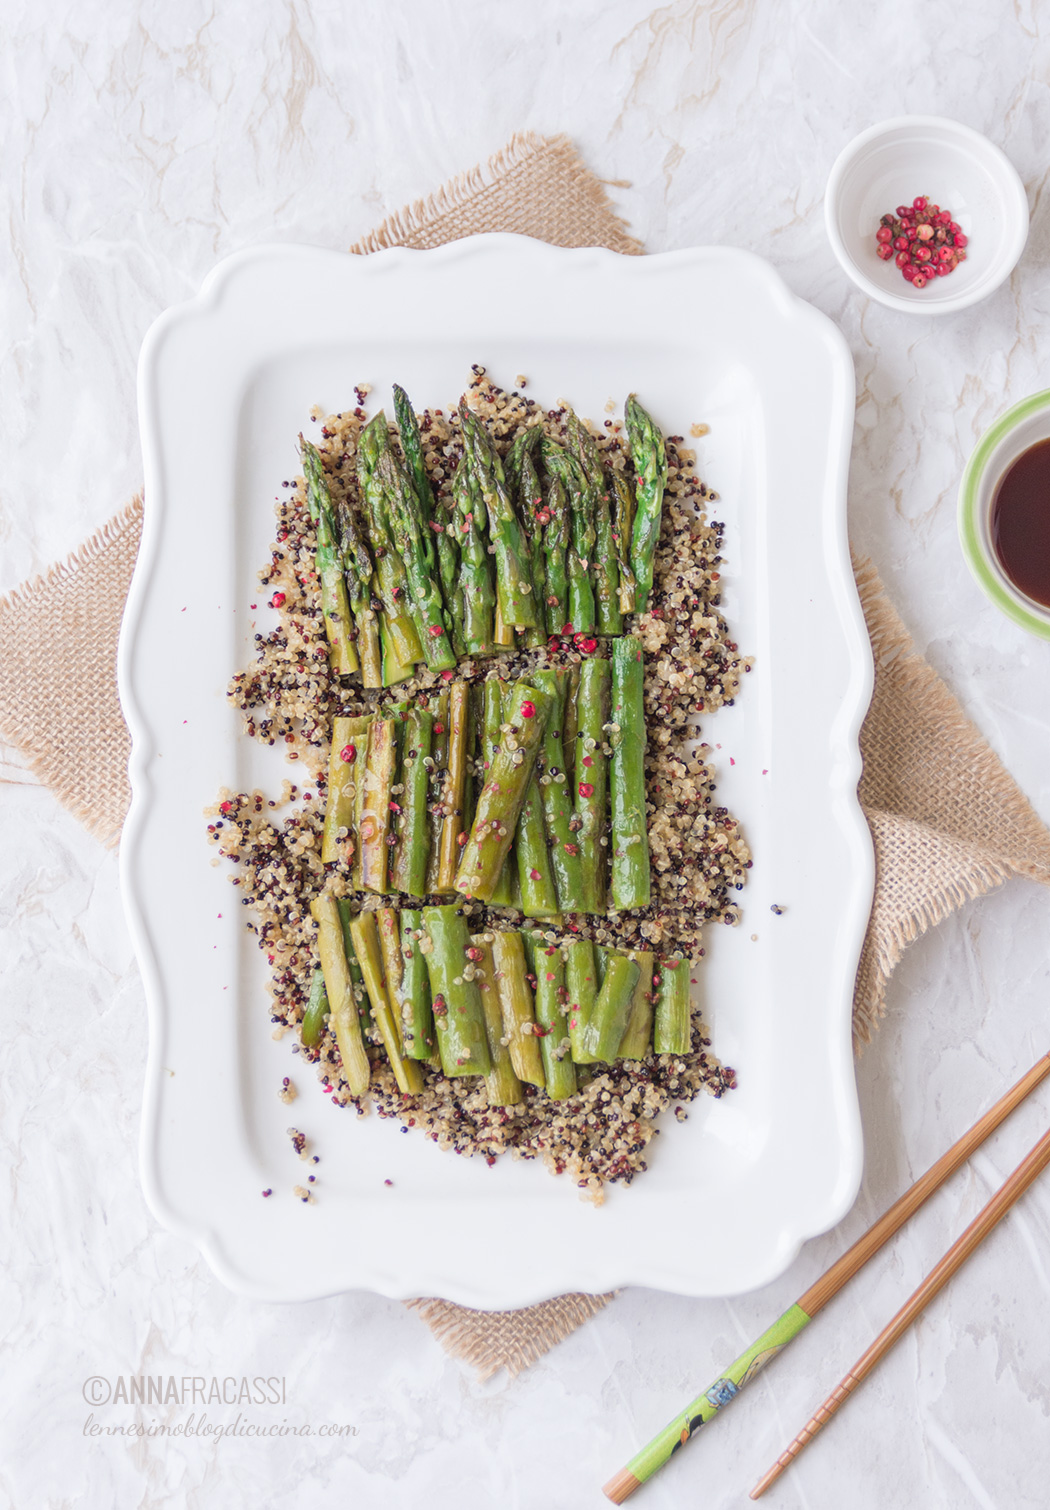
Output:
(947, 820)
(536, 186)
(58, 675)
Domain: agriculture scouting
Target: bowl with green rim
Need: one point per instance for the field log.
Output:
(1023, 426)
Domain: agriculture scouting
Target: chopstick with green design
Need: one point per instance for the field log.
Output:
(743, 1369)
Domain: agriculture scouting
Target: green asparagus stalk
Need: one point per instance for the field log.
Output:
(548, 967)
(606, 567)
(408, 871)
(555, 522)
(502, 633)
(501, 798)
(455, 997)
(650, 466)
(622, 489)
(512, 471)
(312, 1030)
(377, 779)
(394, 669)
(604, 1032)
(417, 1019)
(494, 695)
(365, 935)
(637, 1035)
(407, 984)
(360, 762)
(357, 979)
(453, 796)
(343, 1017)
(629, 840)
(414, 540)
(492, 719)
(524, 481)
(471, 786)
(443, 526)
(388, 930)
(391, 579)
(412, 446)
(476, 587)
(335, 605)
(672, 1028)
(536, 883)
(513, 556)
(557, 800)
(580, 499)
(349, 736)
(571, 721)
(581, 988)
(600, 555)
(358, 570)
(589, 778)
(502, 1086)
(517, 1006)
(359, 573)
(411, 536)
(436, 793)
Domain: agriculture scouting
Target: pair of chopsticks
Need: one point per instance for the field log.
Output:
(743, 1369)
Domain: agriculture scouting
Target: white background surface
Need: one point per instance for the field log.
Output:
(138, 147)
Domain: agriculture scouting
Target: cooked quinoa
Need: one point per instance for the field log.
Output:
(698, 854)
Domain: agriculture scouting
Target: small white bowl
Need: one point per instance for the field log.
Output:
(894, 162)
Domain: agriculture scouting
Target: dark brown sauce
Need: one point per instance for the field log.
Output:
(1021, 522)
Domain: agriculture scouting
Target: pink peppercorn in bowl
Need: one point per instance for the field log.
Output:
(926, 163)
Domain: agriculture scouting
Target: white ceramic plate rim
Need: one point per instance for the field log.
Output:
(171, 1140)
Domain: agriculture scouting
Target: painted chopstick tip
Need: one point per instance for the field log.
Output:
(621, 1486)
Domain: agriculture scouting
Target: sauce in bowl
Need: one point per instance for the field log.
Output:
(1021, 522)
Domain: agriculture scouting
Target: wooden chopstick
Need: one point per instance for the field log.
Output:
(1005, 1197)
(743, 1369)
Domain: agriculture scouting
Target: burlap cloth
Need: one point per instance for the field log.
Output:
(947, 820)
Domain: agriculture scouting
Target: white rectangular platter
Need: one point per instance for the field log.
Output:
(226, 382)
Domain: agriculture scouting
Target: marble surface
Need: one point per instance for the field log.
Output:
(142, 143)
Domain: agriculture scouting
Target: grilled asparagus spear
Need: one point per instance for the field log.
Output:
(650, 466)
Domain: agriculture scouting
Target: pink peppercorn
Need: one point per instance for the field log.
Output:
(927, 241)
